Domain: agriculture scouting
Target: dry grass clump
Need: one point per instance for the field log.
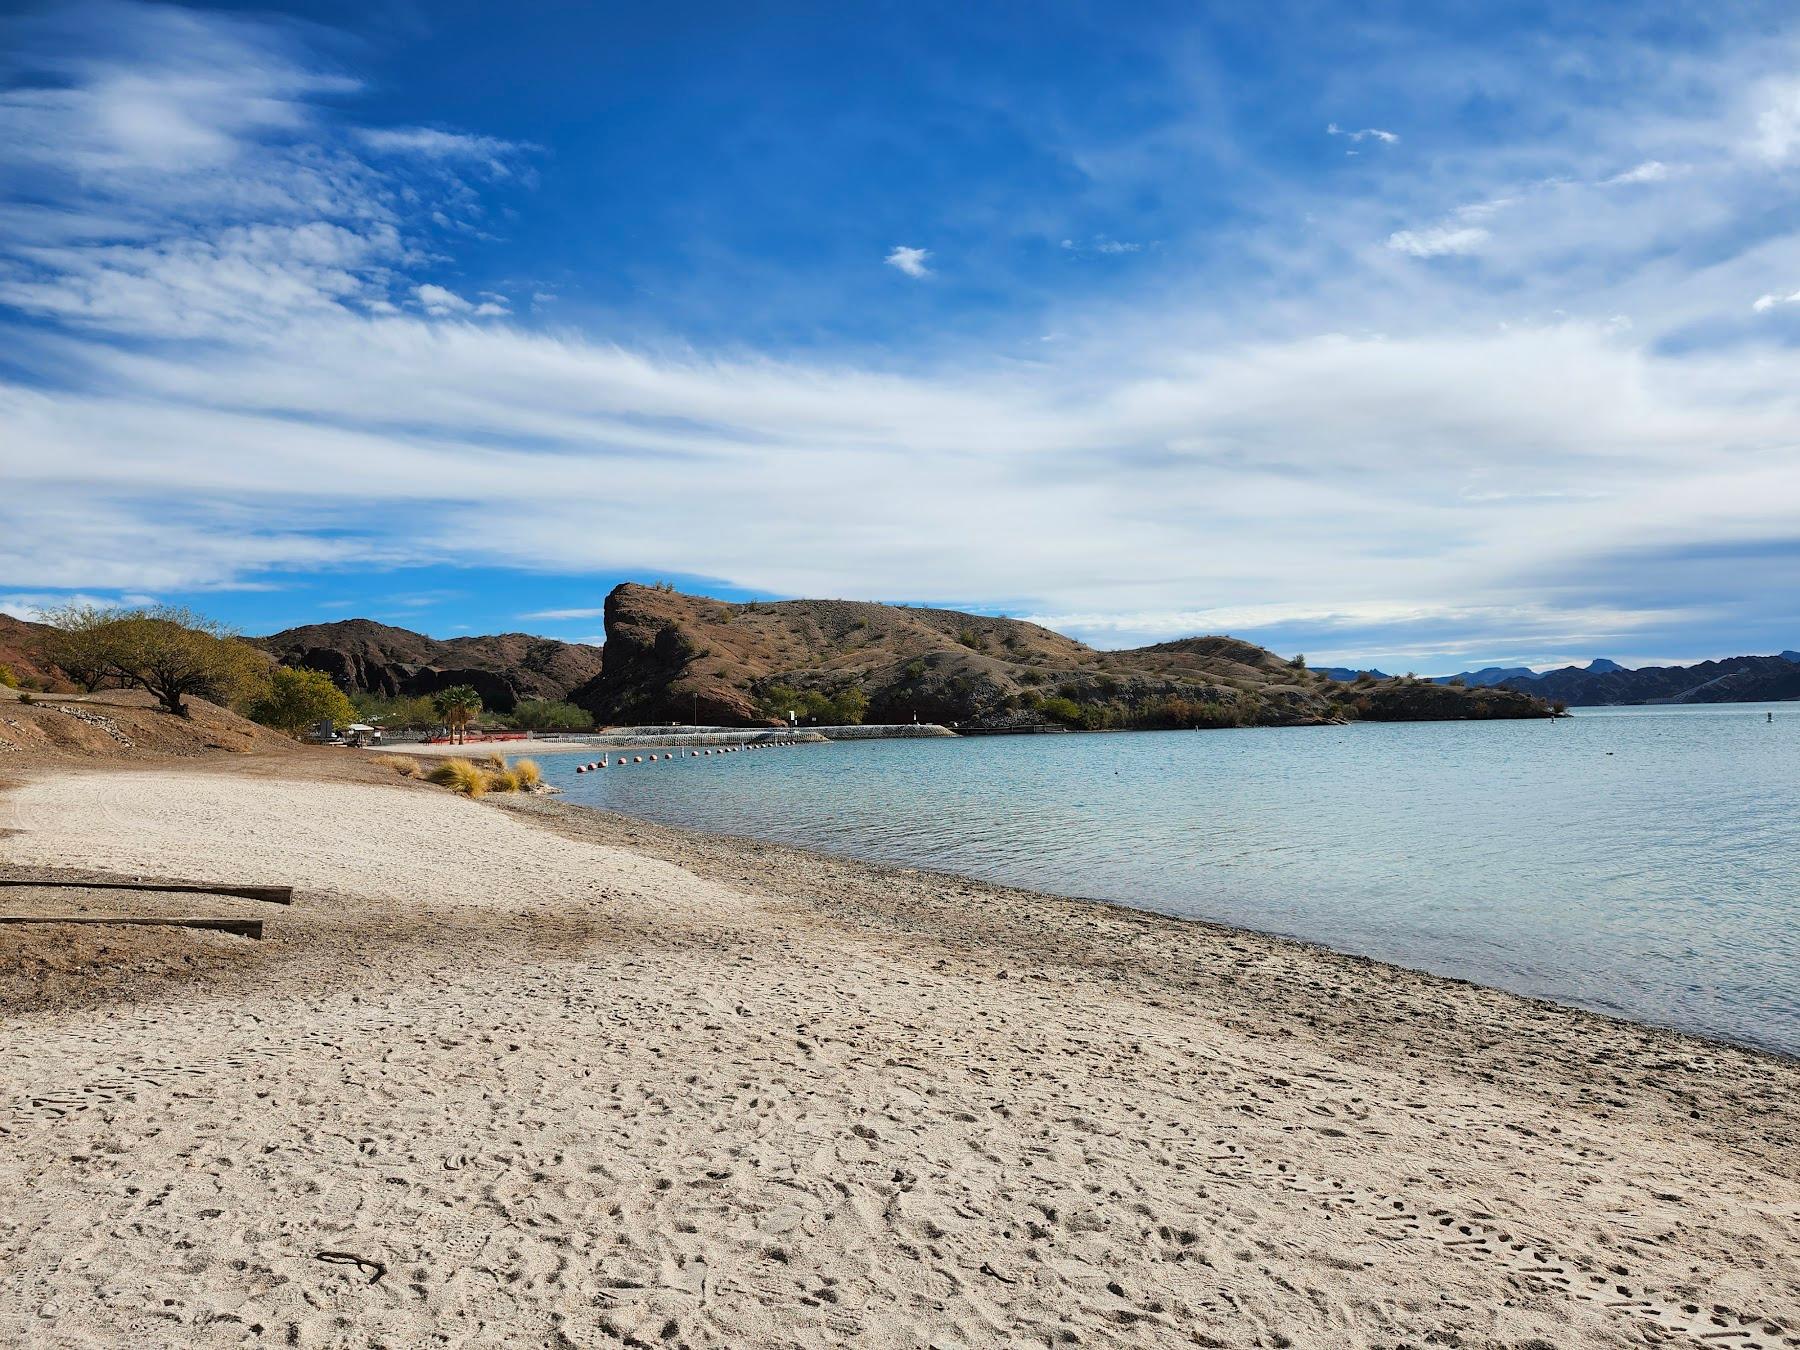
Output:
(459, 774)
(528, 774)
(494, 760)
(503, 781)
(404, 765)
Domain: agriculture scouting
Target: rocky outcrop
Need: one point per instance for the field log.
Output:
(673, 657)
(362, 656)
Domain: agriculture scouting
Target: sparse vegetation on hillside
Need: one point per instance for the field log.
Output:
(847, 707)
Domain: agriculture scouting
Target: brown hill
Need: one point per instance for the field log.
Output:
(21, 652)
(674, 657)
(124, 725)
(367, 657)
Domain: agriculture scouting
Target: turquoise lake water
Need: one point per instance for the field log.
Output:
(1643, 862)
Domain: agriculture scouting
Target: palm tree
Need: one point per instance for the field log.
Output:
(458, 705)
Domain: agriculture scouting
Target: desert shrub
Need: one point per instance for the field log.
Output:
(294, 700)
(460, 775)
(915, 669)
(503, 781)
(528, 773)
(1032, 677)
(1060, 708)
(404, 765)
(968, 639)
(540, 714)
(8, 680)
(27, 699)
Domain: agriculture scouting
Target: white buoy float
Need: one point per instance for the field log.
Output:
(635, 759)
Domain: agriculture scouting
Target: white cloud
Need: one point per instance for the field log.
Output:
(1778, 122)
(1367, 133)
(593, 612)
(1650, 171)
(1104, 245)
(431, 143)
(909, 260)
(1765, 303)
(440, 301)
(1438, 241)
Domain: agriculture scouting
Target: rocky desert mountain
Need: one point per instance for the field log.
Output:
(363, 656)
(675, 657)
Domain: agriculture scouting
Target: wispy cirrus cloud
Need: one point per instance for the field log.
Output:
(436, 144)
(1367, 133)
(580, 612)
(1438, 241)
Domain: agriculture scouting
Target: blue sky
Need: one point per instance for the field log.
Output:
(1421, 336)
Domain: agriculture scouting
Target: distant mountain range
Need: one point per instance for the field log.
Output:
(1736, 679)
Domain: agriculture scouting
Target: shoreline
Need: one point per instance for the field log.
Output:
(567, 1074)
(687, 844)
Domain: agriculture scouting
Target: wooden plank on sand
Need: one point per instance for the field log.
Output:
(275, 895)
(250, 928)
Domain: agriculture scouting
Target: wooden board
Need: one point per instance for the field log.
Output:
(274, 895)
(250, 928)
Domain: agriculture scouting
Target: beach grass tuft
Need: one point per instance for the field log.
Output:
(404, 765)
(460, 775)
(494, 760)
(528, 774)
(503, 781)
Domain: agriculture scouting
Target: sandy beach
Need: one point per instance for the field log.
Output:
(509, 1072)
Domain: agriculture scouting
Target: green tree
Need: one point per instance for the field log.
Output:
(8, 680)
(537, 714)
(852, 705)
(295, 700)
(76, 643)
(174, 654)
(458, 705)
